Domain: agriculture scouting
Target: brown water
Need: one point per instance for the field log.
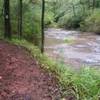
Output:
(84, 50)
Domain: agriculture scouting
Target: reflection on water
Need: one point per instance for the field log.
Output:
(84, 50)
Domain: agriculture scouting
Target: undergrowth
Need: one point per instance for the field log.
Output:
(83, 84)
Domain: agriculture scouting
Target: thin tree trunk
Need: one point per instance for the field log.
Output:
(42, 25)
(20, 18)
(74, 13)
(89, 5)
(94, 4)
(7, 25)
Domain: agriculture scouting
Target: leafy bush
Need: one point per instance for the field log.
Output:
(49, 17)
(92, 22)
(72, 21)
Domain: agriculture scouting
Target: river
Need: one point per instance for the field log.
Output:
(73, 48)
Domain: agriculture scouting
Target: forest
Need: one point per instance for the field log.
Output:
(49, 49)
(83, 15)
(74, 14)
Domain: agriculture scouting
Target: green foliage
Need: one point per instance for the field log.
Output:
(31, 19)
(83, 84)
(49, 18)
(87, 83)
(71, 22)
(73, 14)
(69, 40)
(92, 22)
(31, 24)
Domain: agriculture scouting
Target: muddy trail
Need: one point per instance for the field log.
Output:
(21, 78)
(73, 48)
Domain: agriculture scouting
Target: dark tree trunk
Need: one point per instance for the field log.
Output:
(73, 6)
(89, 5)
(42, 25)
(94, 4)
(20, 18)
(7, 26)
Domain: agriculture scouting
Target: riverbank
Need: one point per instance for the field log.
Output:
(82, 84)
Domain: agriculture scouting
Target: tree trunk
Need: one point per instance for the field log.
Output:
(20, 18)
(73, 6)
(94, 4)
(42, 25)
(7, 26)
(89, 5)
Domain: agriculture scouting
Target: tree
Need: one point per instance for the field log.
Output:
(74, 13)
(20, 5)
(7, 19)
(94, 4)
(42, 25)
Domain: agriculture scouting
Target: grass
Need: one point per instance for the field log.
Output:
(83, 84)
(69, 40)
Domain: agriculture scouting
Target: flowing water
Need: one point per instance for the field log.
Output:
(74, 48)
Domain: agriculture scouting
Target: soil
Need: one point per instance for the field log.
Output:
(21, 78)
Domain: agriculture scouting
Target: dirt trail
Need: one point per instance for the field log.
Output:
(21, 78)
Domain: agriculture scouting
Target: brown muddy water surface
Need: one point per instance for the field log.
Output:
(74, 48)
